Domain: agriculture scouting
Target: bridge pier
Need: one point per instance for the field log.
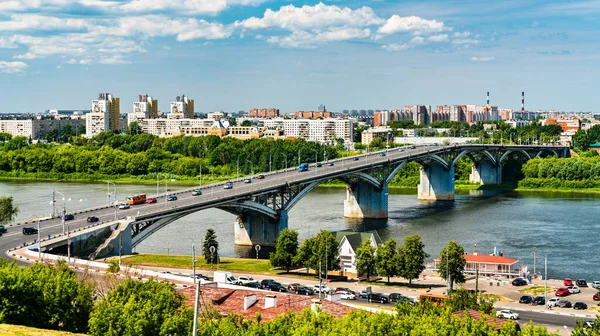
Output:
(364, 200)
(252, 228)
(436, 183)
(485, 172)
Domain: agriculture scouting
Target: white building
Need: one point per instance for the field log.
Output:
(37, 128)
(349, 242)
(319, 130)
(162, 126)
(182, 107)
(104, 116)
(370, 134)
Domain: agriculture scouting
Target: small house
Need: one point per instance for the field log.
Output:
(349, 242)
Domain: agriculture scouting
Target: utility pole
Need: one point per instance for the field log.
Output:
(194, 261)
(195, 331)
(447, 269)
(269, 161)
(534, 250)
(546, 279)
(63, 217)
(120, 246)
(39, 242)
(320, 280)
(200, 176)
(157, 183)
(53, 203)
(68, 245)
(108, 192)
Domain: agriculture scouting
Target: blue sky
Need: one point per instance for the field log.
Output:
(295, 55)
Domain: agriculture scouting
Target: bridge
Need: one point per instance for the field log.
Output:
(262, 206)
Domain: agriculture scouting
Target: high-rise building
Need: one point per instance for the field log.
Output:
(381, 118)
(454, 112)
(263, 112)
(146, 105)
(312, 114)
(104, 116)
(182, 107)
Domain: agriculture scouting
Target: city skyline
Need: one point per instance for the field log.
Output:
(239, 54)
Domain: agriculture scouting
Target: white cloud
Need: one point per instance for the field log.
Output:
(461, 35)
(395, 47)
(21, 22)
(303, 39)
(417, 40)
(415, 24)
(188, 7)
(465, 41)
(114, 60)
(438, 38)
(85, 61)
(12, 67)
(320, 15)
(483, 59)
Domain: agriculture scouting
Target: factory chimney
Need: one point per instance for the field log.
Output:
(522, 100)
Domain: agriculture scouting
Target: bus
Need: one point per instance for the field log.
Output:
(136, 199)
(435, 299)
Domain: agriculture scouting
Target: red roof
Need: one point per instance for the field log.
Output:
(487, 259)
(477, 316)
(231, 301)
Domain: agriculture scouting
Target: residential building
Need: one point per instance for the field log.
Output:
(312, 114)
(505, 114)
(595, 147)
(381, 118)
(517, 123)
(105, 115)
(264, 113)
(321, 130)
(495, 264)
(38, 128)
(348, 243)
(566, 123)
(182, 107)
(476, 113)
(372, 133)
(454, 112)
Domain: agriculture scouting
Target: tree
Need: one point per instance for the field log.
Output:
(305, 253)
(7, 210)
(365, 258)
(285, 249)
(413, 257)
(388, 261)
(581, 140)
(133, 128)
(594, 134)
(246, 123)
(210, 240)
(325, 251)
(52, 135)
(142, 308)
(452, 263)
(4, 137)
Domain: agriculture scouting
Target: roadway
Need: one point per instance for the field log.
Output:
(215, 194)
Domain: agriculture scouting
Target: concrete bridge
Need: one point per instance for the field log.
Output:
(262, 206)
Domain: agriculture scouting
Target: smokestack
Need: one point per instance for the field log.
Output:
(522, 100)
(488, 99)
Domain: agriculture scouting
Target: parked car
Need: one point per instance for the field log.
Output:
(197, 192)
(200, 276)
(381, 154)
(526, 299)
(292, 286)
(245, 280)
(564, 304)
(69, 217)
(377, 297)
(330, 164)
(151, 200)
(124, 206)
(92, 219)
(172, 198)
(318, 164)
(248, 180)
(596, 297)
(254, 284)
(396, 297)
(266, 283)
(3, 229)
(579, 306)
(507, 314)
(29, 230)
(574, 289)
(413, 147)
(363, 294)
(539, 301)
(596, 284)
(562, 292)
(260, 177)
(553, 302)
(568, 282)
(277, 287)
(347, 296)
(343, 289)
(228, 185)
(303, 290)
(519, 282)
(321, 289)
(356, 158)
(581, 283)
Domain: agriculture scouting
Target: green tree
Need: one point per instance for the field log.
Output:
(581, 140)
(8, 211)
(142, 308)
(452, 263)
(133, 128)
(365, 258)
(305, 253)
(285, 249)
(246, 123)
(210, 240)
(325, 250)
(52, 135)
(4, 137)
(387, 260)
(413, 257)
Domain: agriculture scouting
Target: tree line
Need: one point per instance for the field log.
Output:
(573, 173)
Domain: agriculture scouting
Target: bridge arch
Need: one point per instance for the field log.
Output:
(467, 151)
(524, 152)
(545, 150)
(249, 205)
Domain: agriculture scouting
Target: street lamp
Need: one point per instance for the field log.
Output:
(286, 162)
(316, 159)
(237, 167)
(64, 199)
(115, 193)
(251, 167)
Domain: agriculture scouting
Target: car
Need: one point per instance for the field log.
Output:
(200, 276)
(568, 282)
(347, 296)
(562, 292)
(303, 290)
(151, 200)
(92, 219)
(343, 289)
(377, 297)
(413, 147)
(318, 164)
(172, 198)
(581, 283)
(197, 192)
(574, 289)
(381, 154)
(248, 180)
(564, 304)
(400, 149)
(363, 294)
(292, 287)
(321, 289)
(266, 283)
(580, 306)
(254, 284)
(260, 177)
(277, 287)
(228, 185)
(526, 299)
(507, 314)
(596, 284)
(3, 229)
(356, 159)
(396, 297)
(519, 282)
(330, 164)
(539, 301)
(29, 230)
(596, 297)
(553, 302)
(244, 280)
(69, 217)
(124, 206)
(166, 272)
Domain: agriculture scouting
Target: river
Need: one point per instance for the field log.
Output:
(563, 226)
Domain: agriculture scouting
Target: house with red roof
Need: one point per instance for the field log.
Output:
(489, 265)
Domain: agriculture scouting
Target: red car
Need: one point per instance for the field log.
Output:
(151, 200)
(596, 297)
(568, 282)
(562, 292)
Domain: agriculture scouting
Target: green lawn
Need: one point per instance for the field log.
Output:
(15, 330)
(226, 264)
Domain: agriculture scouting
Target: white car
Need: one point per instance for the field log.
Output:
(244, 280)
(124, 206)
(553, 302)
(508, 314)
(321, 289)
(574, 289)
(596, 284)
(347, 296)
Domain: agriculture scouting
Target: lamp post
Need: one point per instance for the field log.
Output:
(157, 182)
(285, 170)
(546, 278)
(316, 160)
(237, 167)
(116, 199)
(64, 212)
(251, 167)
(270, 150)
(200, 176)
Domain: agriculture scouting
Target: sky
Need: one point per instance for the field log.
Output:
(235, 55)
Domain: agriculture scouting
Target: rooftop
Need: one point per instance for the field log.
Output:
(487, 259)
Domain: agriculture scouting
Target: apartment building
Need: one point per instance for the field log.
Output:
(372, 133)
(182, 108)
(38, 128)
(264, 113)
(104, 116)
(312, 114)
(320, 130)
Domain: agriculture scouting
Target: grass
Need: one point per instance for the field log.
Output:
(226, 264)
(537, 290)
(15, 330)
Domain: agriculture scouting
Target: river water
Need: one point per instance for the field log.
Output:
(565, 227)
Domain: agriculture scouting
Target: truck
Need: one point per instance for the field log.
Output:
(224, 277)
(303, 167)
